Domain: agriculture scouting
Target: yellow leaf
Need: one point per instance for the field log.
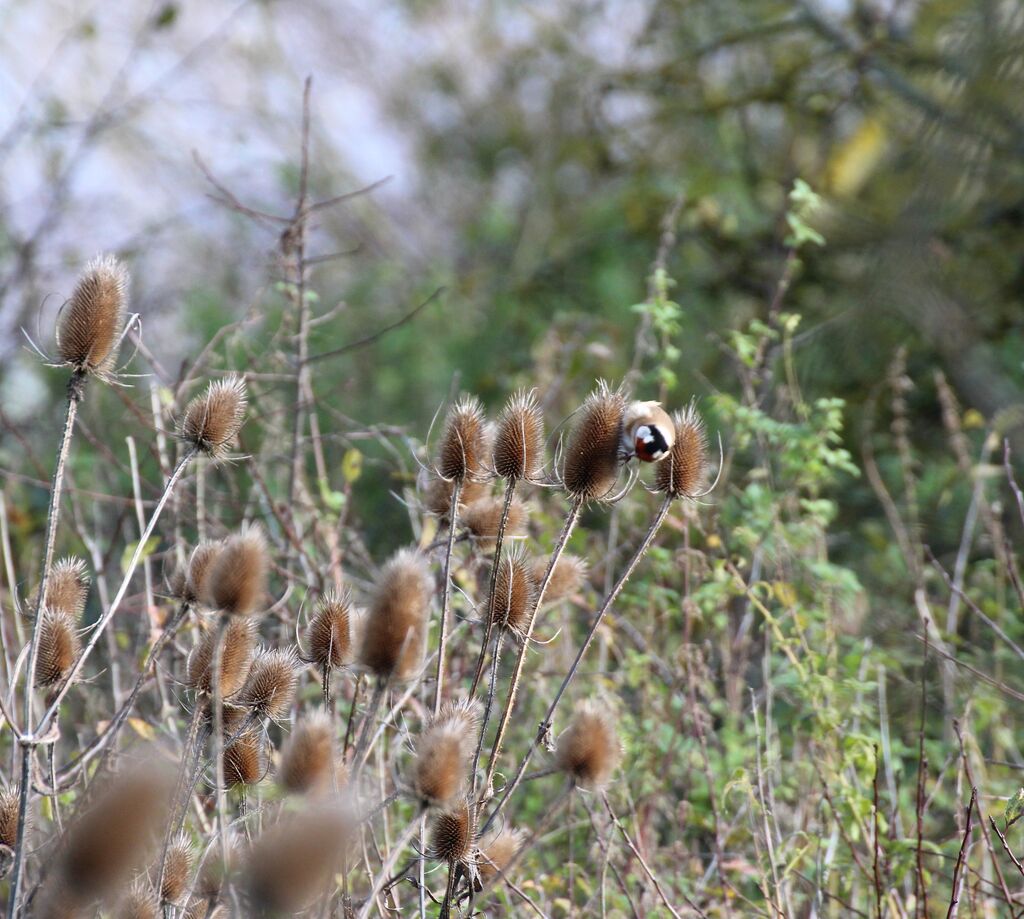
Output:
(973, 419)
(142, 728)
(352, 465)
(784, 593)
(852, 164)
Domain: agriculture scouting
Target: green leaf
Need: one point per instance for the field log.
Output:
(1014, 808)
(147, 551)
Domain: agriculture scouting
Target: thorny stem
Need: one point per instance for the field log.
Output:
(352, 715)
(449, 892)
(446, 593)
(366, 731)
(217, 742)
(954, 900)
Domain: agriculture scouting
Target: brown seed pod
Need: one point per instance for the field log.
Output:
(395, 629)
(443, 752)
(57, 901)
(591, 463)
(198, 908)
(437, 497)
(9, 816)
(245, 759)
(647, 432)
(329, 635)
(515, 592)
(91, 323)
(569, 574)
(139, 903)
(498, 850)
(177, 869)
(519, 441)
(212, 420)
(465, 444)
(199, 565)
(453, 834)
(270, 688)
(67, 587)
(483, 517)
(307, 759)
(589, 749)
(59, 647)
(683, 473)
(235, 660)
(237, 580)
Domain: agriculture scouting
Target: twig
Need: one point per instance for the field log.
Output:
(954, 901)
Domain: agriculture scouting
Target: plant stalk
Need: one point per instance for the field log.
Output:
(446, 592)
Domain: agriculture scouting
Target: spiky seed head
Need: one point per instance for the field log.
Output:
(212, 420)
(91, 323)
(56, 900)
(682, 474)
(199, 908)
(329, 635)
(294, 861)
(498, 850)
(270, 688)
(245, 760)
(569, 574)
(437, 497)
(444, 751)
(9, 816)
(199, 566)
(235, 662)
(238, 575)
(465, 443)
(59, 647)
(67, 587)
(139, 903)
(215, 870)
(395, 627)
(515, 592)
(177, 869)
(589, 749)
(453, 833)
(482, 518)
(307, 759)
(519, 441)
(591, 463)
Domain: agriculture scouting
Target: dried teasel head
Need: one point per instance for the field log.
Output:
(515, 592)
(682, 474)
(395, 627)
(90, 326)
(197, 573)
(589, 750)
(67, 587)
(519, 440)
(444, 751)
(199, 908)
(270, 688)
(237, 579)
(235, 660)
(498, 850)
(465, 444)
(329, 636)
(591, 461)
(59, 647)
(245, 759)
(568, 576)
(177, 869)
(308, 756)
(139, 903)
(212, 420)
(453, 833)
(437, 497)
(482, 518)
(9, 800)
(215, 870)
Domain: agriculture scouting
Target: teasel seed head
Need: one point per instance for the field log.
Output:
(139, 903)
(329, 636)
(215, 870)
(519, 441)
(199, 908)
(177, 869)
(465, 443)
(591, 462)
(395, 627)
(444, 751)
(237, 580)
(270, 688)
(235, 660)
(589, 749)
(682, 473)
(568, 576)
(483, 517)
(9, 800)
(453, 834)
(67, 587)
(437, 497)
(197, 574)
(308, 756)
(515, 592)
(59, 647)
(498, 850)
(245, 759)
(92, 321)
(212, 420)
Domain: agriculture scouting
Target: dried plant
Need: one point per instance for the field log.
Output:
(566, 578)
(308, 756)
(437, 497)
(683, 473)
(519, 439)
(464, 450)
(59, 647)
(453, 834)
(67, 587)
(9, 817)
(236, 658)
(245, 760)
(591, 461)
(212, 420)
(270, 687)
(498, 850)
(589, 750)
(515, 593)
(139, 903)
(177, 870)
(90, 325)
(483, 519)
(196, 582)
(443, 753)
(237, 578)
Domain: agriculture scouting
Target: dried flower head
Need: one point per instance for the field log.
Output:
(270, 688)
(9, 816)
(212, 420)
(590, 466)
(307, 759)
(482, 518)
(519, 441)
(59, 647)
(199, 908)
(437, 496)
(177, 869)
(465, 444)
(589, 749)
(199, 565)
(395, 628)
(237, 580)
(515, 592)
(235, 660)
(453, 834)
(56, 900)
(682, 474)
(329, 635)
(444, 752)
(139, 903)
(214, 870)
(67, 587)
(569, 574)
(90, 325)
(245, 759)
(498, 850)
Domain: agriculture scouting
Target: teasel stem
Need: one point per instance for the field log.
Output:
(545, 725)
(356, 692)
(422, 868)
(449, 892)
(217, 743)
(366, 731)
(325, 685)
(488, 705)
(442, 640)
(556, 554)
(389, 863)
